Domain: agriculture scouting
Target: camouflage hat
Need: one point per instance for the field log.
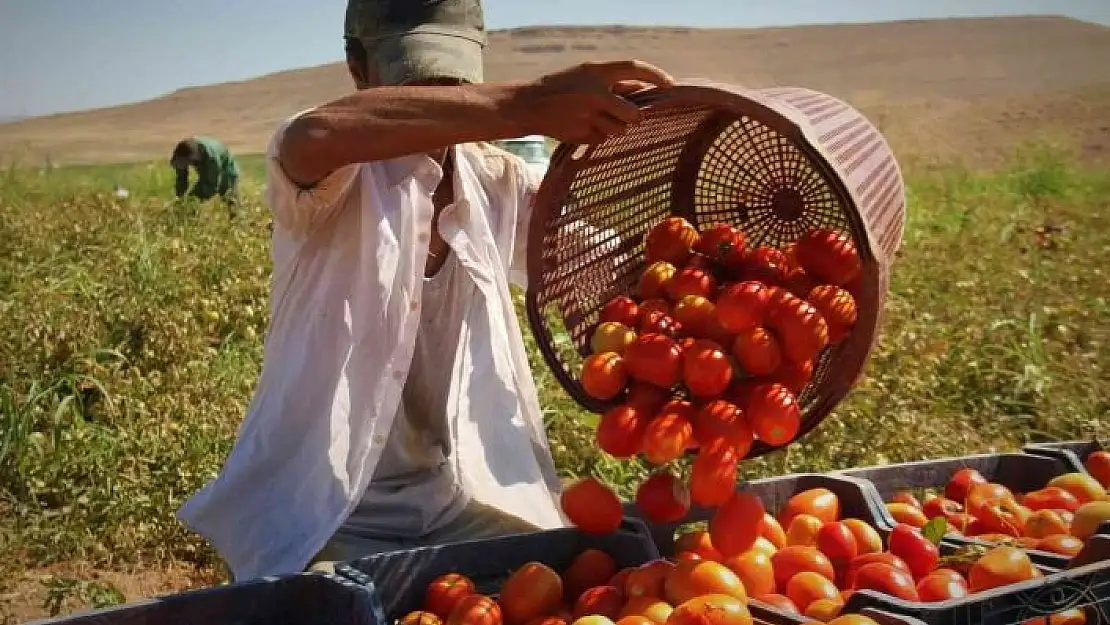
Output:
(420, 39)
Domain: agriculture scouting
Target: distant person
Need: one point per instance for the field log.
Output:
(217, 171)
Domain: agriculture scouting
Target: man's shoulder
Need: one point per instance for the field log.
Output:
(500, 165)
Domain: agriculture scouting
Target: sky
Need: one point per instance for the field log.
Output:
(63, 55)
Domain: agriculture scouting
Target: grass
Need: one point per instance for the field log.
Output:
(130, 340)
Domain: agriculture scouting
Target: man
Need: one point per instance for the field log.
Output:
(395, 406)
(217, 171)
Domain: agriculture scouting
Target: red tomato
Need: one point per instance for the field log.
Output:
(737, 524)
(836, 540)
(654, 304)
(773, 414)
(723, 419)
(713, 474)
(647, 398)
(764, 264)
(620, 432)
(655, 280)
(671, 240)
(943, 507)
(959, 485)
(800, 327)
(1050, 498)
(656, 322)
(1097, 464)
(475, 610)
(793, 375)
(881, 557)
(445, 592)
(806, 587)
(829, 256)
(720, 241)
(706, 371)
(742, 306)
(606, 601)
(942, 585)
(592, 507)
(622, 310)
(918, 552)
(604, 375)
(655, 359)
(591, 567)
(837, 307)
(757, 351)
(886, 579)
(696, 314)
(532, 591)
(692, 281)
(793, 559)
(669, 434)
(420, 617)
(663, 498)
(906, 497)
(782, 602)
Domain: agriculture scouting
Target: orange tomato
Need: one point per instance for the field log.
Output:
(837, 541)
(713, 474)
(723, 419)
(737, 524)
(590, 568)
(696, 578)
(706, 370)
(532, 591)
(475, 610)
(742, 306)
(803, 530)
(620, 431)
(699, 542)
(1050, 498)
(1001, 566)
(773, 532)
(942, 585)
(604, 375)
(696, 314)
(650, 607)
(712, 609)
(906, 497)
(867, 538)
(669, 434)
(819, 502)
(793, 559)
(773, 414)
(806, 587)
(663, 498)
(837, 307)
(1097, 464)
(824, 609)
(829, 256)
(1044, 523)
(611, 336)
(754, 569)
(592, 507)
(1065, 545)
(654, 281)
(780, 602)
(691, 281)
(852, 619)
(606, 601)
(419, 617)
(757, 351)
(647, 580)
(635, 619)
(672, 240)
(801, 329)
(905, 513)
(445, 592)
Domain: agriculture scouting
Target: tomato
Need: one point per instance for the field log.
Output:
(1044, 523)
(696, 314)
(691, 281)
(1064, 545)
(764, 264)
(706, 371)
(606, 601)
(959, 485)
(592, 507)
(798, 282)
(819, 502)
(646, 398)
(655, 359)
(592, 567)
(906, 497)
(867, 537)
(1074, 616)
(800, 327)
(650, 607)
(1088, 518)
(620, 431)
(881, 557)
(445, 592)
(551, 620)
(1097, 464)
(648, 579)
(942, 507)
(806, 587)
(1050, 498)
(713, 474)
(918, 552)
(837, 307)
(475, 610)
(942, 585)
(757, 351)
(836, 540)
(721, 419)
(736, 524)
(794, 375)
(887, 579)
(1000, 566)
(742, 306)
(593, 619)
(1083, 486)
(981, 496)
(773, 532)
(829, 256)
(532, 591)
(663, 498)
(654, 304)
(754, 569)
(656, 322)
(781, 602)
(853, 619)
(692, 579)
(699, 542)
(419, 617)
(825, 609)
(1002, 516)
(905, 513)
(604, 375)
(610, 336)
(671, 240)
(803, 530)
(669, 434)
(719, 241)
(793, 559)
(773, 414)
(654, 282)
(623, 310)
(712, 609)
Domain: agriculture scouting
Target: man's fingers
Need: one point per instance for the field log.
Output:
(628, 87)
(613, 72)
(618, 108)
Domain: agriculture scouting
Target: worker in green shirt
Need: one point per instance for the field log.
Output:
(217, 171)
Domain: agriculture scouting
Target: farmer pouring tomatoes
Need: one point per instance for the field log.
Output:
(395, 405)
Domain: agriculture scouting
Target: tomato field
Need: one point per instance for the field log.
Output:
(131, 337)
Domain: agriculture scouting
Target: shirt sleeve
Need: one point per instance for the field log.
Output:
(300, 210)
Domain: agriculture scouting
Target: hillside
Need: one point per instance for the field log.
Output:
(943, 89)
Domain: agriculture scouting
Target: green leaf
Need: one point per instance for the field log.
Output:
(935, 529)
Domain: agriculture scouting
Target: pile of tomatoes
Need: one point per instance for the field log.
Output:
(1057, 518)
(709, 355)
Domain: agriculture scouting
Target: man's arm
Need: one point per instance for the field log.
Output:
(182, 183)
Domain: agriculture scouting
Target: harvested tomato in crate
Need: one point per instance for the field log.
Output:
(720, 268)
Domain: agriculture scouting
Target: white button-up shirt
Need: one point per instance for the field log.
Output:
(348, 260)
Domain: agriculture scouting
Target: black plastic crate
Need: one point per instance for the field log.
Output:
(1074, 453)
(1085, 586)
(400, 578)
(764, 616)
(1020, 472)
(857, 500)
(304, 599)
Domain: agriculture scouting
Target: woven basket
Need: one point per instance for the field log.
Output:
(775, 162)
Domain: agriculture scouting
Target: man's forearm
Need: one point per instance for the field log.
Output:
(389, 122)
(182, 183)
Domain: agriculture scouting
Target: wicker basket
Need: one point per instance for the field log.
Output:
(775, 162)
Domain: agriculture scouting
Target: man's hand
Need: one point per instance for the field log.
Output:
(584, 103)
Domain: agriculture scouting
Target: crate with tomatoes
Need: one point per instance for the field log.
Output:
(1089, 456)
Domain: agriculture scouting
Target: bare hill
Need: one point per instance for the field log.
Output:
(940, 89)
